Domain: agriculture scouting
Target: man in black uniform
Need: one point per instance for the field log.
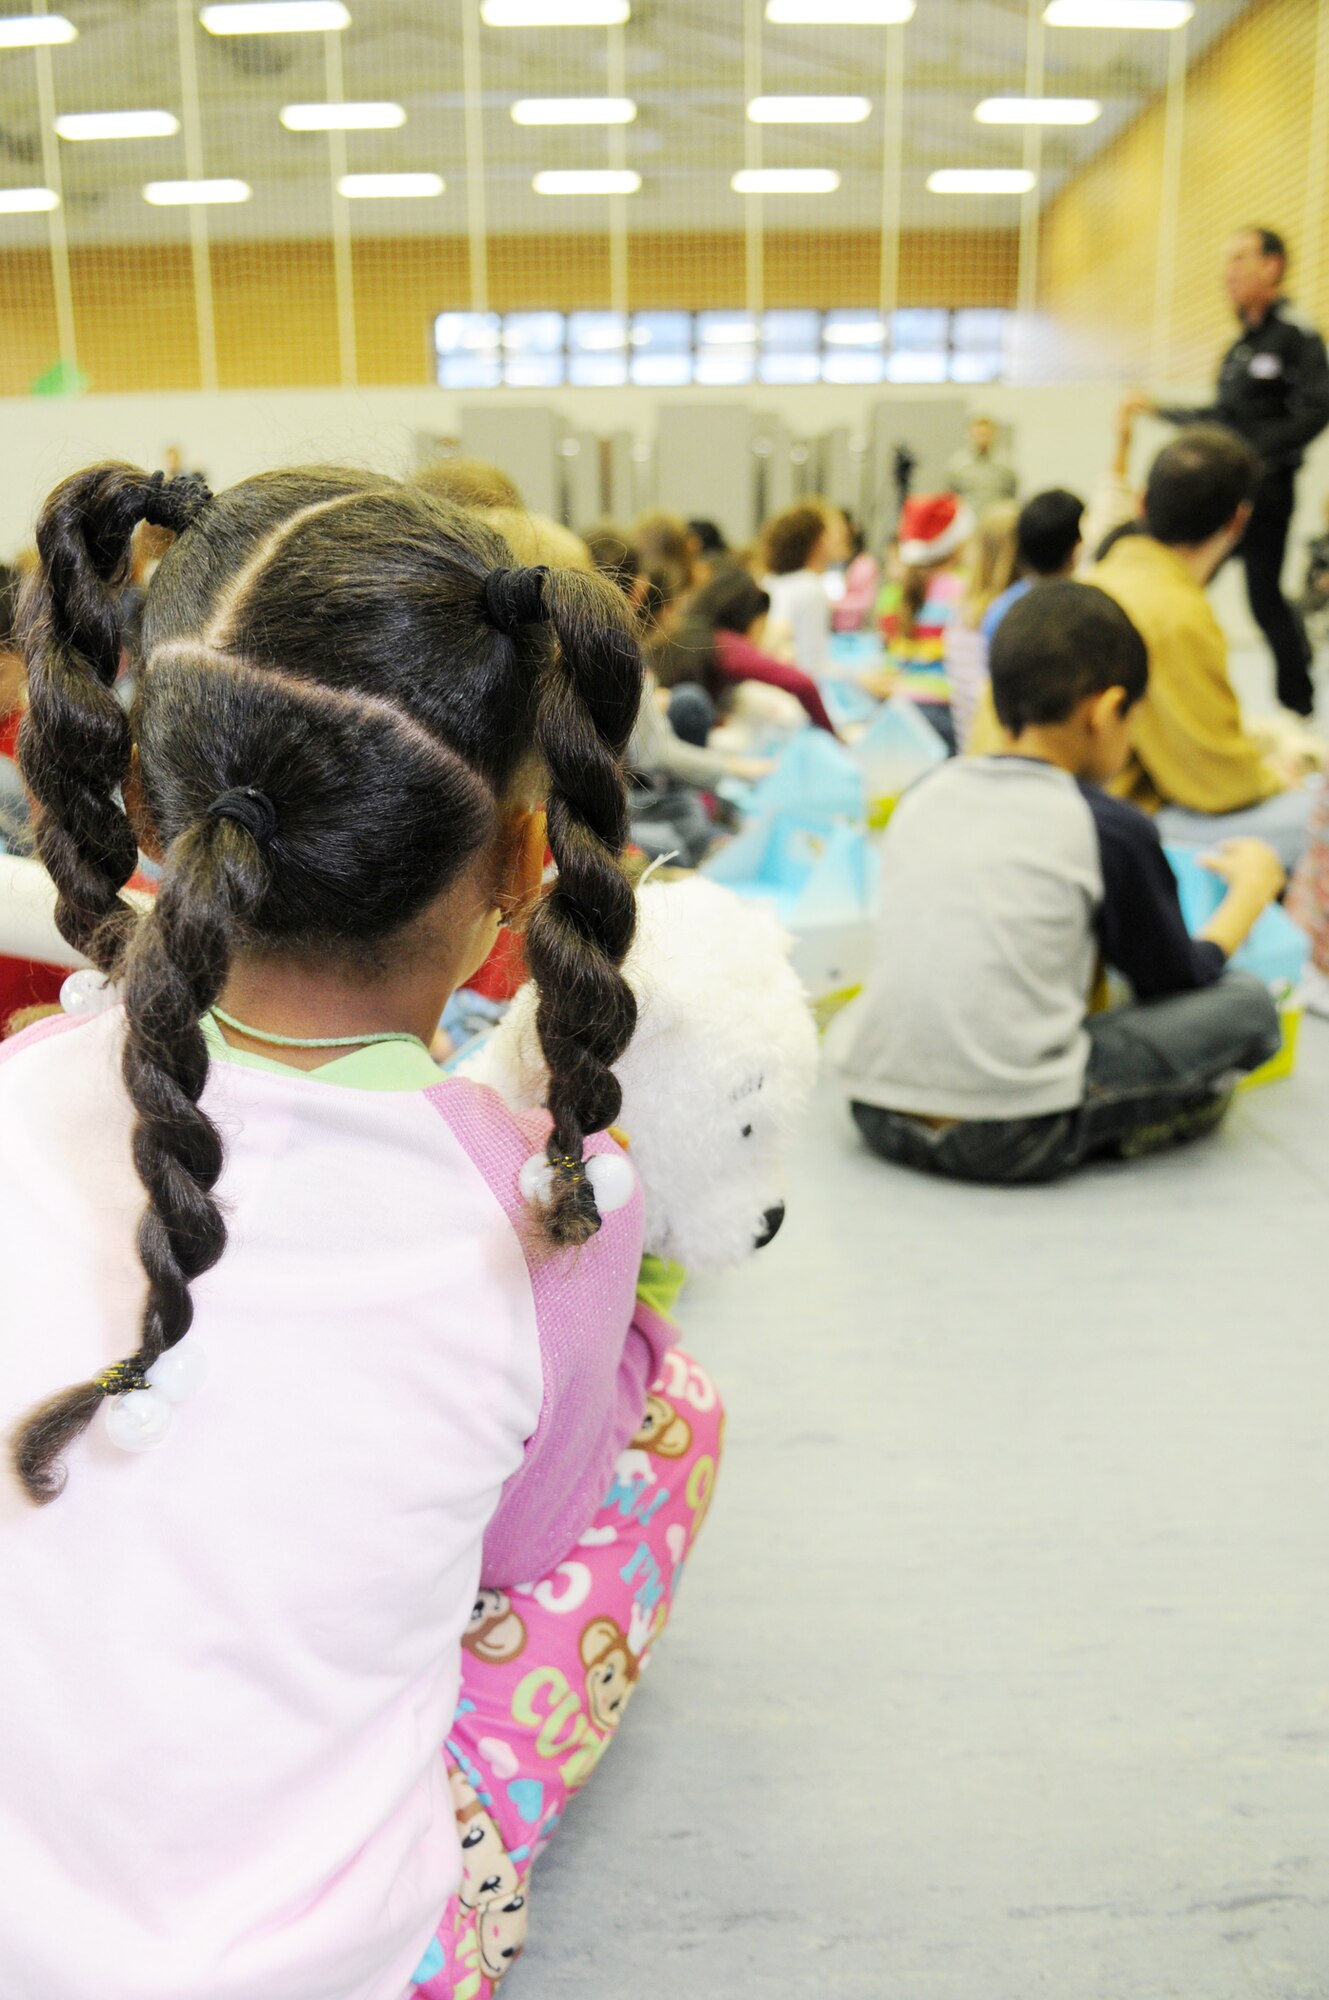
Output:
(1273, 390)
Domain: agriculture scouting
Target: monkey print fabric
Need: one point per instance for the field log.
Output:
(549, 1668)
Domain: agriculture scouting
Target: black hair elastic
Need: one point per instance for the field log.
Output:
(175, 503)
(253, 810)
(515, 597)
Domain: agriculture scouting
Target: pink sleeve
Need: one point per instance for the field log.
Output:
(41, 1031)
(598, 1349)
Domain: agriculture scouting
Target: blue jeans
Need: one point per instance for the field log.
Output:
(1283, 821)
(1159, 1072)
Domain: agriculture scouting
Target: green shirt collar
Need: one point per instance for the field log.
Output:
(382, 1066)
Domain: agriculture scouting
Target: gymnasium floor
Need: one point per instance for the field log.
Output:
(1002, 1668)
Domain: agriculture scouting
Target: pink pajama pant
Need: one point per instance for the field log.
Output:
(548, 1670)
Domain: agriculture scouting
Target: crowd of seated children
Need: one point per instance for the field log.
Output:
(673, 769)
(409, 1399)
(1004, 880)
(717, 643)
(1192, 762)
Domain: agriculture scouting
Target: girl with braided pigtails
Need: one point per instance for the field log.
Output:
(311, 1357)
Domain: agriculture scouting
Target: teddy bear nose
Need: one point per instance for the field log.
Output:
(772, 1219)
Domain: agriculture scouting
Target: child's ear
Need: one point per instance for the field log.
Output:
(1107, 709)
(528, 840)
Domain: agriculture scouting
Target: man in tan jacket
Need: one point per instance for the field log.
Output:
(1191, 761)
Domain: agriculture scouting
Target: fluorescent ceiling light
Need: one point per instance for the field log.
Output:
(729, 333)
(275, 17)
(980, 180)
(785, 180)
(574, 111)
(387, 187)
(1118, 13)
(600, 180)
(809, 110)
(117, 125)
(555, 13)
(192, 194)
(1038, 111)
(342, 117)
(35, 31)
(27, 201)
(841, 13)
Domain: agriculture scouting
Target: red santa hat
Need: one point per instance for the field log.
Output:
(932, 527)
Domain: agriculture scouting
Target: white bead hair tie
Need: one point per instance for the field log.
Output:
(140, 1416)
(88, 992)
(611, 1177)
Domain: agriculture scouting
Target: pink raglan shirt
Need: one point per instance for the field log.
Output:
(229, 1662)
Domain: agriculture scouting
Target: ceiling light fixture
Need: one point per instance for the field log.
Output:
(368, 117)
(275, 17)
(555, 13)
(809, 110)
(195, 194)
(1038, 111)
(597, 180)
(27, 201)
(981, 180)
(117, 125)
(785, 180)
(840, 13)
(1118, 13)
(389, 187)
(35, 31)
(574, 111)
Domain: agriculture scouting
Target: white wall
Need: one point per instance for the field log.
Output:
(1061, 434)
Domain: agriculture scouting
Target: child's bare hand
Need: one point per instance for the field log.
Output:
(1250, 865)
(751, 769)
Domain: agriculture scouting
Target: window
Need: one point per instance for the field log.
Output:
(533, 350)
(467, 345)
(597, 349)
(720, 348)
(919, 346)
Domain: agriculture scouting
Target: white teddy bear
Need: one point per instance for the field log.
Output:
(721, 1064)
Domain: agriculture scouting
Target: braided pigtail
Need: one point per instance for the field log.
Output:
(74, 746)
(174, 970)
(581, 932)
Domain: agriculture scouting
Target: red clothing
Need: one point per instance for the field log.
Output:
(9, 733)
(739, 660)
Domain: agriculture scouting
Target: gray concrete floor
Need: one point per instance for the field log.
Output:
(1002, 1667)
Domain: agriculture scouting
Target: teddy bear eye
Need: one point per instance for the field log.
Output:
(747, 1132)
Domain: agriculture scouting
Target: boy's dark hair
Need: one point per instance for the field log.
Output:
(366, 658)
(1057, 645)
(1047, 532)
(1197, 483)
(789, 539)
(710, 541)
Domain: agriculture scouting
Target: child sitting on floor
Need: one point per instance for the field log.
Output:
(250, 1626)
(972, 1052)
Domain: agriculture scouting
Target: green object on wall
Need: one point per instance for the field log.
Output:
(62, 378)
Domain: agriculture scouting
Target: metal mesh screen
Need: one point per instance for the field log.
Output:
(325, 274)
